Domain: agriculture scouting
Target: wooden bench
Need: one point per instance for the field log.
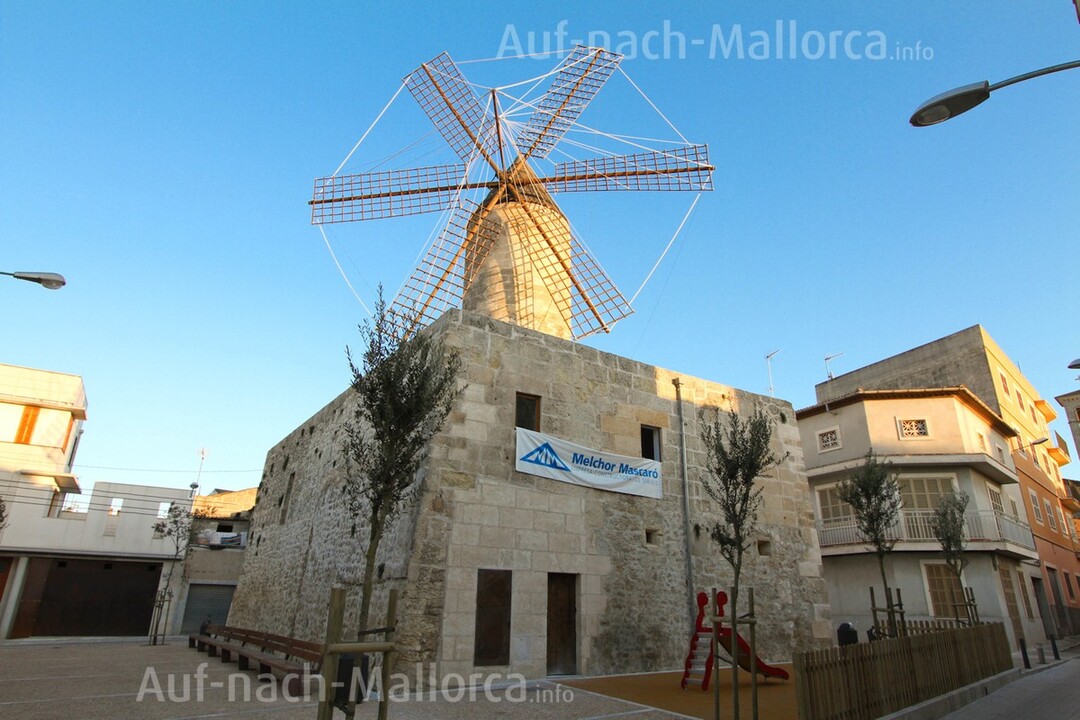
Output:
(274, 655)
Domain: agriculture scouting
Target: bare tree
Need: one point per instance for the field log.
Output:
(176, 526)
(3, 514)
(404, 390)
(947, 523)
(737, 453)
(874, 496)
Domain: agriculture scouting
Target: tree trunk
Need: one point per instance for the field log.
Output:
(368, 587)
(734, 609)
(888, 597)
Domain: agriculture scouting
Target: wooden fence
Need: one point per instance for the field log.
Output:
(874, 679)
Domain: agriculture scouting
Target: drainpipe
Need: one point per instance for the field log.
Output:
(691, 604)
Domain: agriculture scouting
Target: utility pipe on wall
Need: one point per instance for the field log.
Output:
(690, 600)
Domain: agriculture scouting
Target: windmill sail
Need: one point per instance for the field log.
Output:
(450, 103)
(581, 76)
(512, 256)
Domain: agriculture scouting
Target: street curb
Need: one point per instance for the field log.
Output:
(942, 705)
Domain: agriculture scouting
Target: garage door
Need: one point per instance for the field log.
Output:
(206, 601)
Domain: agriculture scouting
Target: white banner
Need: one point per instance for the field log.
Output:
(556, 459)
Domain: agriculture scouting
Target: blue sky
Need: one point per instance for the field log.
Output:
(161, 155)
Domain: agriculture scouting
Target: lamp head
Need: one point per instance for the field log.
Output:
(950, 104)
(52, 281)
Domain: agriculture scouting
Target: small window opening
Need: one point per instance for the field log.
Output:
(650, 442)
(527, 412)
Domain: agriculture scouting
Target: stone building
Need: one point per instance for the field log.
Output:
(214, 558)
(501, 569)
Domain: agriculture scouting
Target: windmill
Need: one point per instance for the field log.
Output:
(512, 254)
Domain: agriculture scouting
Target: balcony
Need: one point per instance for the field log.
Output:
(1059, 451)
(915, 526)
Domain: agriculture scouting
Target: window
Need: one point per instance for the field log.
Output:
(833, 509)
(914, 428)
(66, 505)
(981, 440)
(1001, 454)
(29, 425)
(652, 536)
(650, 442)
(163, 509)
(995, 500)
(527, 412)
(829, 439)
(1004, 383)
(1033, 418)
(115, 506)
(224, 527)
(1015, 510)
(1019, 399)
(26, 425)
(1035, 506)
(944, 589)
(493, 593)
(1068, 585)
(1051, 516)
(1022, 587)
(923, 493)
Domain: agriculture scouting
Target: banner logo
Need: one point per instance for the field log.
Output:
(545, 456)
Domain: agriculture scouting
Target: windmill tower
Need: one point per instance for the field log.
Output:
(511, 255)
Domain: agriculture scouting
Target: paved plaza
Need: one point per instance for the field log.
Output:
(127, 680)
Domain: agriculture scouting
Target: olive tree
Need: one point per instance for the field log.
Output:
(176, 527)
(738, 452)
(874, 497)
(403, 391)
(947, 523)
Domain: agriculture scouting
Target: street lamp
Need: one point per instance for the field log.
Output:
(1075, 364)
(52, 281)
(1032, 444)
(954, 102)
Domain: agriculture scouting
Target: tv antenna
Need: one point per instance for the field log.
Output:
(203, 452)
(768, 362)
(828, 372)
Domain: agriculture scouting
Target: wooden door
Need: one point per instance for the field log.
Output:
(562, 624)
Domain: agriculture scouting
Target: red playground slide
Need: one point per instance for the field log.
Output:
(697, 671)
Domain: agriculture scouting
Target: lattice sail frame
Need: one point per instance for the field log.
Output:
(584, 293)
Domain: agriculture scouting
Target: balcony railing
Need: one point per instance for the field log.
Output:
(916, 526)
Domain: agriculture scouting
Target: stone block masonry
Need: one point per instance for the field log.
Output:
(626, 554)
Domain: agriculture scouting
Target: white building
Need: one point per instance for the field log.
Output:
(70, 564)
(935, 439)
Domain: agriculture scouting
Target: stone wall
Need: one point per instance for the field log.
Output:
(476, 511)
(957, 359)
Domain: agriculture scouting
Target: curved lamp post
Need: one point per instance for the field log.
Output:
(950, 104)
(52, 281)
(1075, 364)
